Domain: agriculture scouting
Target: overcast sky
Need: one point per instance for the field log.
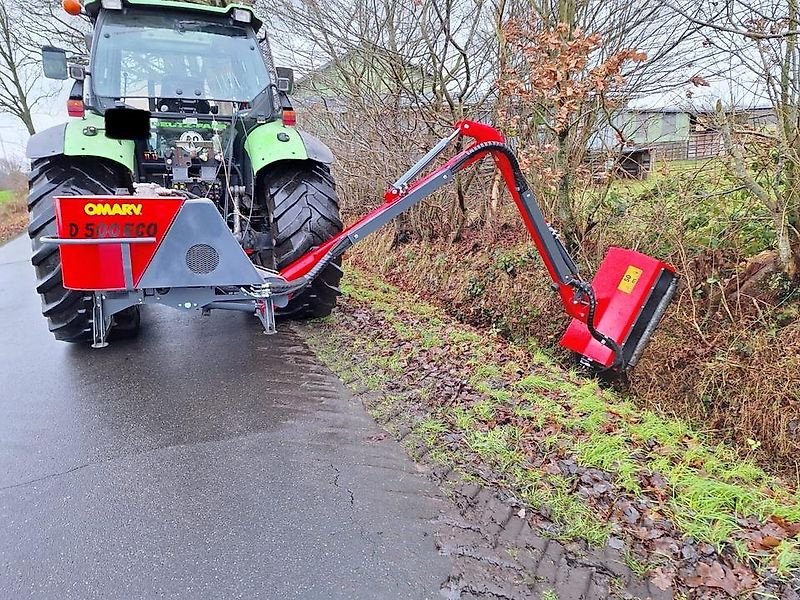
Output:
(14, 136)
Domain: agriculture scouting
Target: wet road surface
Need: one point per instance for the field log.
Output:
(201, 460)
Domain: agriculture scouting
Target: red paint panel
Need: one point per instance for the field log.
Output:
(99, 266)
(622, 285)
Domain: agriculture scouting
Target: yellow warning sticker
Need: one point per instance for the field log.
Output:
(629, 280)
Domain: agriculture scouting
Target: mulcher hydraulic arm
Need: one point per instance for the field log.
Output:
(577, 295)
(612, 317)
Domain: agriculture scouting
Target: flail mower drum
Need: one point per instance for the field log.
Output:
(149, 248)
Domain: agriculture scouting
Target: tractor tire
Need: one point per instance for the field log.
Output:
(68, 312)
(305, 211)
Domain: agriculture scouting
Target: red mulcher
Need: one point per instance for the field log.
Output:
(129, 250)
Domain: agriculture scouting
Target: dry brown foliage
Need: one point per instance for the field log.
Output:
(13, 218)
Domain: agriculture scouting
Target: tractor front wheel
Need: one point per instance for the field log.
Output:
(68, 312)
(305, 212)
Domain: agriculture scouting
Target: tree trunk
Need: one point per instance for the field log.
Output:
(777, 206)
(460, 210)
(566, 215)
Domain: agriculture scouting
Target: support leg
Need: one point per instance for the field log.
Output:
(265, 311)
(99, 323)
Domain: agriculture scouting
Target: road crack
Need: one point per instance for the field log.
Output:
(43, 477)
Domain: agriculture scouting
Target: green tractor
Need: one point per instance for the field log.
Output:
(222, 128)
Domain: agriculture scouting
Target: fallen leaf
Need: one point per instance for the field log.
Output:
(769, 541)
(747, 579)
(552, 468)
(791, 528)
(615, 543)
(716, 575)
(662, 578)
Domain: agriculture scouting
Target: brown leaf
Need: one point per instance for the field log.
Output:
(769, 541)
(662, 578)
(699, 81)
(791, 528)
(747, 580)
(552, 468)
(716, 575)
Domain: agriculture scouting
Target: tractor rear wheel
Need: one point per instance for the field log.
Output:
(305, 208)
(68, 312)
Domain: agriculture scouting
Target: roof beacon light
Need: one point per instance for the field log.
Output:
(241, 15)
(112, 4)
(72, 7)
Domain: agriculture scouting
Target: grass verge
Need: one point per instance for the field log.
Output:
(589, 465)
(13, 215)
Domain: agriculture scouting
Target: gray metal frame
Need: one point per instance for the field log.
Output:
(261, 304)
(235, 284)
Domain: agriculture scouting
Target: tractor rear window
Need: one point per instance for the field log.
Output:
(170, 55)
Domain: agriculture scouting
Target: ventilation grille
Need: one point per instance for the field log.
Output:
(202, 259)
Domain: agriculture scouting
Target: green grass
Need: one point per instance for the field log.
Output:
(610, 453)
(520, 413)
(661, 171)
(430, 428)
(787, 558)
(639, 567)
(6, 196)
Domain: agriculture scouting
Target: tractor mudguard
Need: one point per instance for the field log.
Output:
(81, 137)
(316, 150)
(273, 141)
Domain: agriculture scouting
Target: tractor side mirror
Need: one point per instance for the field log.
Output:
(123, 123)
(54, 62)
(285, 79)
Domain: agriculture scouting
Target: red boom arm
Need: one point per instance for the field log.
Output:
(487, 142)
(627, 297)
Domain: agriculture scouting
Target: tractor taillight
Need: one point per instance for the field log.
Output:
(289, 118)
(75, 108)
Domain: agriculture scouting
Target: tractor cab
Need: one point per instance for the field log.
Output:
(167, 56)
(197, 68)
(171, 61)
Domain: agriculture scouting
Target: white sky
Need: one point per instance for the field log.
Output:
(14, 136)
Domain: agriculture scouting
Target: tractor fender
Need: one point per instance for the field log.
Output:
(49, 142)
(81, 137)
(316, 150)
(271, 142)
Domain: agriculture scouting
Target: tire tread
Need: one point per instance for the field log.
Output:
(68, 312)
(305, 210)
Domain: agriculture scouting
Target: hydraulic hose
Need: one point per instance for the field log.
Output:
(586, 288)
(566, 270)
(292, 287)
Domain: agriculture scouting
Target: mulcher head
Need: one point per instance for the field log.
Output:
(632, 291)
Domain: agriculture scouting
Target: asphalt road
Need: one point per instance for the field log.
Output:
(201, 460)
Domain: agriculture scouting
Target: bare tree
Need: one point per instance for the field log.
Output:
(386, 78)
(12, 174)
(46, 22)
(756, 42)
(20, 91)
